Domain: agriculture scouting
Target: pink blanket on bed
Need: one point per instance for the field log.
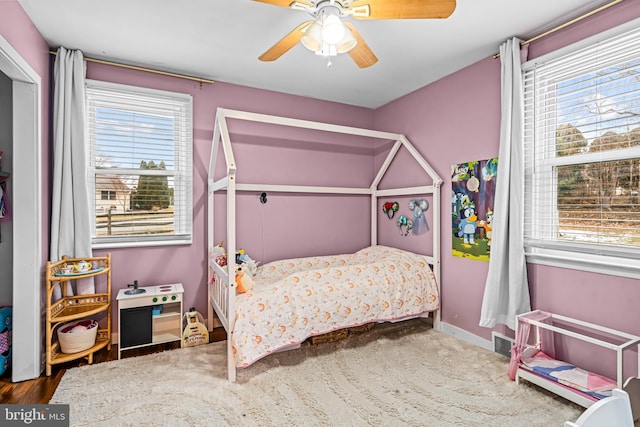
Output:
(298, 298)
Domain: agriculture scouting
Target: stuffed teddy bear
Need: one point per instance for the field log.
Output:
(244, 282)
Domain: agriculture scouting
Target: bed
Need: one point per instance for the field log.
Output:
(294, 299)
(533, 355)
(298, 298)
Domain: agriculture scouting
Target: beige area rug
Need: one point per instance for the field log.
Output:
(403, 374)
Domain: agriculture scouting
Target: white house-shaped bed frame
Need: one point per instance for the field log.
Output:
(219, 298)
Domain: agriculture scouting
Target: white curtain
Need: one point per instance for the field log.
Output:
(70, 217)
(506, 292)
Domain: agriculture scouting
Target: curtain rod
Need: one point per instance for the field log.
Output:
(148, 70)
(566, 24)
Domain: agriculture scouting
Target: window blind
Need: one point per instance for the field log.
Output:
(582, 149)
(140, 156)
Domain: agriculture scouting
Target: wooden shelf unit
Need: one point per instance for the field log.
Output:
(568, 393)
(75, 307)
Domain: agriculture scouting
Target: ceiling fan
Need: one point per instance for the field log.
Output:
(328, 35)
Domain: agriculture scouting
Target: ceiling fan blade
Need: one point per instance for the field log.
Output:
(286, 3)
(286, 43)
(404, 9)
(361, 54)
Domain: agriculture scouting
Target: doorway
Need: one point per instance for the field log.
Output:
(26, 206)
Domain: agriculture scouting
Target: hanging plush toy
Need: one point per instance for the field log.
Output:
(405, 225)
(418, 207)
(390, 208)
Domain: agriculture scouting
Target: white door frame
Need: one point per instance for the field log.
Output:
(26, 205)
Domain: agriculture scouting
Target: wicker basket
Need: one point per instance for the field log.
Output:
(74, 342)
(341, 334)
(362, 328)
(332, 336)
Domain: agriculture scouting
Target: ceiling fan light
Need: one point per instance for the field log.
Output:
(312, 38)
(347, 43)
(333, 29)
(327, 50)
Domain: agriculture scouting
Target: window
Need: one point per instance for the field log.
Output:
(582, 157)
(107, 195)
(140, 168)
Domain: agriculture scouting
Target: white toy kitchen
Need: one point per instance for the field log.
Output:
(149, 315)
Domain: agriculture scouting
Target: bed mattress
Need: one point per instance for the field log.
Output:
(297, 298)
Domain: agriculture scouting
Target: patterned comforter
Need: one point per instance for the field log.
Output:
(298, 298)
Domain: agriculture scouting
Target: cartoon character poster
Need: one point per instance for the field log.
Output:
(473, 187)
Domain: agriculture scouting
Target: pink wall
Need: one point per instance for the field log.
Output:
(457, 119)
(288, 225)
(453, 120)
(464, 126)
(19, 31)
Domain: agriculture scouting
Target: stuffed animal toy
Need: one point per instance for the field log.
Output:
(252, 267)
(243, 258)
(221, 260)
(194, 333)
(244, 282)
(219, 255)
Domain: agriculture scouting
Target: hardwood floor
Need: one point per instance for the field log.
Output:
(40, 390)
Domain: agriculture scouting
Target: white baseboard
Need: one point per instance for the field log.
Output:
(466, 336)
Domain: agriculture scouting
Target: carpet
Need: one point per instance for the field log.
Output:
(403, 374)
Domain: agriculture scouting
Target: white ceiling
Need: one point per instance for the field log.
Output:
(222, 39)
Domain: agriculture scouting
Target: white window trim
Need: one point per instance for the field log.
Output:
(589, 41)
(149, 241)
(568, 255)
